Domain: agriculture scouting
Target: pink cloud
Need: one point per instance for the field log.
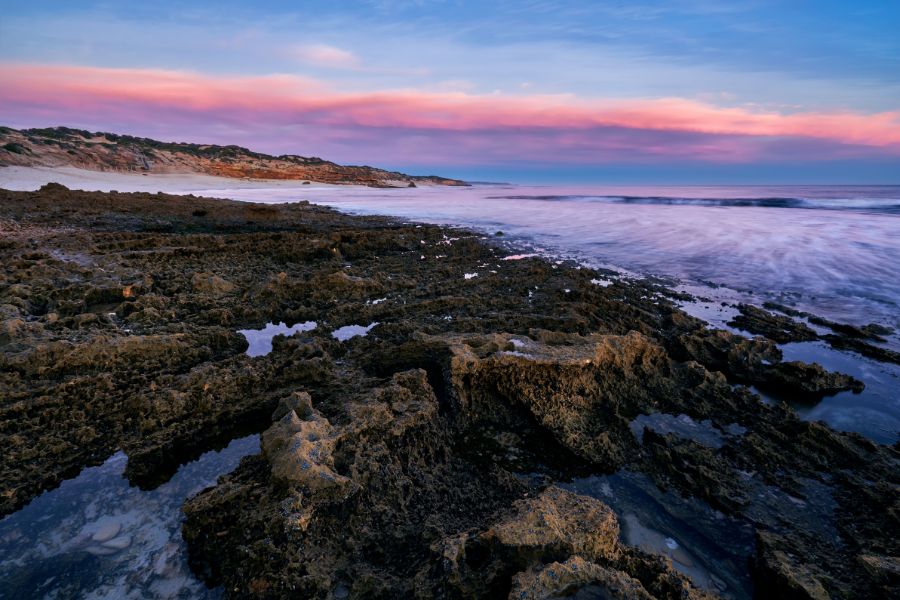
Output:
(324, 55)
(294, 114)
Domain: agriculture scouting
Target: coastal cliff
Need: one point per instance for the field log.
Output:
(65, 147)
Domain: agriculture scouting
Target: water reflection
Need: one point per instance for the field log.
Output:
(702, 432)
(260, 340)
(96, 537)
(702, 543)
(875, 412)
(342, 334)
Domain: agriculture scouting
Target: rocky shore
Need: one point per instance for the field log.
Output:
(493, 428)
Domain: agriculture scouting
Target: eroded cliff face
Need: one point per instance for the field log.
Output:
(64, 147)
(444, 452)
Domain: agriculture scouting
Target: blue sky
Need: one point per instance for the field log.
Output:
(766, 60)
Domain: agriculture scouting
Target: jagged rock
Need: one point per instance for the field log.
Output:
(557, 523)
(300, 450)
(10, 329)
(884, 572)
(738, 357)
(809, 381)
(556, 543)
(565, 579)
(586, 392)
(866, 349)
(211, 284)
(783, 575)
(781, 329)
(758, 361)
(300, 403)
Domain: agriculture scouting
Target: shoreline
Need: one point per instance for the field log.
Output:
(128, 306)
(19, 178)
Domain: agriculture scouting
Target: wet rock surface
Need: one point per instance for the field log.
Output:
(779, 328)
(430, 457)
(788, 327)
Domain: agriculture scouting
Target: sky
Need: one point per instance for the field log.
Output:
(641, 91)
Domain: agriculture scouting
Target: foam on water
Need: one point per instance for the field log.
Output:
(861, 203)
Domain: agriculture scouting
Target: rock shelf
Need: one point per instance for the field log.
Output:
(432, 456)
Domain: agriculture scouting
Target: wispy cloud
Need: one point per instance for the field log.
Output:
(323, 55)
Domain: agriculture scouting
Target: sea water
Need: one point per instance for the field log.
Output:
(95, 536)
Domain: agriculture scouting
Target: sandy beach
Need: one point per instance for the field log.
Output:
(32, 178)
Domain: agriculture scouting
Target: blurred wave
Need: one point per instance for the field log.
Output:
(889, 205)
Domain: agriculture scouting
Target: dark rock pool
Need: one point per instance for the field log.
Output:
(97, 537)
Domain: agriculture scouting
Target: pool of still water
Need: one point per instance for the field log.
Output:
(95, 537)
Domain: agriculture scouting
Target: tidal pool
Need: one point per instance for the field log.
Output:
(702, 432)
(97, 537)
(704, 544)
(342, 334)
(260, 340)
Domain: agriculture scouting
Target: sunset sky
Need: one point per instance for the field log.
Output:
(740, 91)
